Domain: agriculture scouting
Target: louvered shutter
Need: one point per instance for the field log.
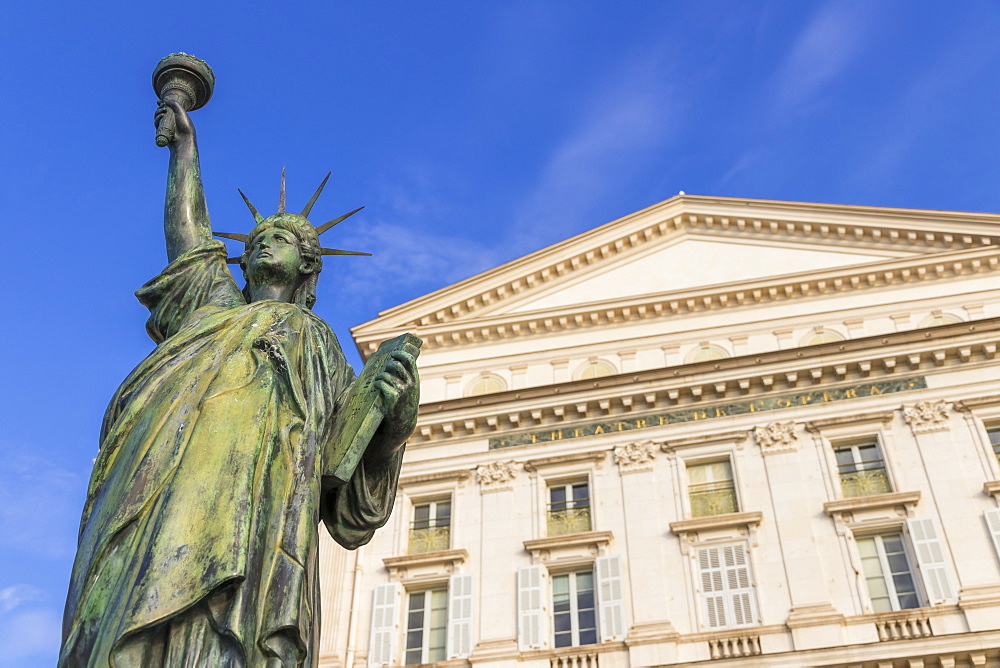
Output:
(739, 589)
(713, 588)
(529, 607)
(930, 557)
(993, 523)
(610, 598)
(459, 616)
(381, 643)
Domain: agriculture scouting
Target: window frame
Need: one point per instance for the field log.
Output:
(573, 594)
(887, 575)
(470, 388)
(853, 444)
(433, 520)
(426, 629)
(580, 372)
(571, 503)
(689, 486)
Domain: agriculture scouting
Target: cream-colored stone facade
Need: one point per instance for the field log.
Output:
(717, 431)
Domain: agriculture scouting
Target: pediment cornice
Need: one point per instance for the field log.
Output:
(693, 386)
(895, 231)
(871, 276)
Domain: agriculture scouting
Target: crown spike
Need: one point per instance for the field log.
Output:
(234, 260)
(336, 251)
(312, 200)
(253, 209)
(281, 197)
(235, 236)
(320, 229)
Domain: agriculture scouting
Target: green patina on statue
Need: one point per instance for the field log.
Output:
(224, 449)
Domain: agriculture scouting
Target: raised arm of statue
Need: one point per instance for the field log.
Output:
(185, 214)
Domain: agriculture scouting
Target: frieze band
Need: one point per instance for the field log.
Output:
(708, 413)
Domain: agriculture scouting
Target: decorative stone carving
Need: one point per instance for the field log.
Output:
(776, 437)
(635, 456)
(927, 416)
(497, 475)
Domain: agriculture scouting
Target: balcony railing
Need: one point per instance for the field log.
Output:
(563, 521)
(716, 500)
(864, 483)
(429, 539)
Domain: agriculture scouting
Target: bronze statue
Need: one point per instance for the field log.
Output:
(223, 450)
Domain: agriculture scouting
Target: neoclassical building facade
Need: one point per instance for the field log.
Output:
(715, 432)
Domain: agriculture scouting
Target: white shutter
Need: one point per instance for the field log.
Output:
(610, 598)
(993, 523)
(529, 607)
(930, 557)
(713, 588)
(740, 591)
(381, 643)
(459, 616)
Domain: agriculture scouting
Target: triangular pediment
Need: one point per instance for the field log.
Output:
(688, 244)
(689, 262)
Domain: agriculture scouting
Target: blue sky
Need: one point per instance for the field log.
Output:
(474, 133)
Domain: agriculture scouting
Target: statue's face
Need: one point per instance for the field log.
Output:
(274, 255)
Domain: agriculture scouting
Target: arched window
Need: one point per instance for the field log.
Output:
(939, 318)
(485, 384)
(595, 368)
(820, 335)
(706, 352)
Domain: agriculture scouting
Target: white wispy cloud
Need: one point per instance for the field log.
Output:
(17, 595)
(834, 38)
(30, 637)
(40, 504)
(408, 261)
(626, 120)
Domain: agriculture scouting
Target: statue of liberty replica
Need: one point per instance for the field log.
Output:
(225, 448)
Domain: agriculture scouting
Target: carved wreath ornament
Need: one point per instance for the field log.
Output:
(497, 475)
(927, 416)
(776, 437)
(635, 456)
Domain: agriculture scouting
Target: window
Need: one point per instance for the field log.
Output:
(426, 626)
(710, 489)
(727, 594)
(569, 508)
(861, 469)
(437, 623)
(486, 384)
(587, 606)
(994, 434)
(431, 527)
(887, 572)
(706, 352)
(595, 368)
(574, 617)
(821, 336)
(937, 318)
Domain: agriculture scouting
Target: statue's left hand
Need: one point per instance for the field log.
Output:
(400, 388)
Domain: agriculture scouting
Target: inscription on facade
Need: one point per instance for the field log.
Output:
(756, 406)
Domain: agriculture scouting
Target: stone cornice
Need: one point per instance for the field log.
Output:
(896, 231)
(881, 357)
(872, 502)
(462, 330)
(439, 557)
(596, 539)
(716, 522)
(458, 475)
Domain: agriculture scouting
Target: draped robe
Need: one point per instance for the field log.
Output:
(208, 489)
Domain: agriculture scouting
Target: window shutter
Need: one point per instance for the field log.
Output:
(610, 598)
(740, 591)
(529, 607)
(713, 588)
(459, 616)
(930, 557)
(993, 523)
(383, 632)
